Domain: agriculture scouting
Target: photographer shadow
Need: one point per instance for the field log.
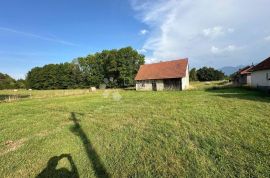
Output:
(52, 172)
(98, 166)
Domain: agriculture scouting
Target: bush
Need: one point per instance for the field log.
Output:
(209, 74)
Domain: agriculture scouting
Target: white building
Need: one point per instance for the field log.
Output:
(243, 76)
(260, 75)
(169, 75)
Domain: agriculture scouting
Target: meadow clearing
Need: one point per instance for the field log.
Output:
(123, 133)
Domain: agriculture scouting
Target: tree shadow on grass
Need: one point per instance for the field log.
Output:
(240, 93)
(100, 170)
(52, 172)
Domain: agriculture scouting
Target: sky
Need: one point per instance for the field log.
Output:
(214, 33)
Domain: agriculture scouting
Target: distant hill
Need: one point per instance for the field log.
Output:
(228, 70)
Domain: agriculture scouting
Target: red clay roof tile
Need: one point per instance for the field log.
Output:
(163, 70)
(246, 70)
(263, 65)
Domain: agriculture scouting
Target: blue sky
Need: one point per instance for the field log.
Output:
(209, 32)
(34, 33)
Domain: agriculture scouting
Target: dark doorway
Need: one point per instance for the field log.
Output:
(173, 84)
(154, 85)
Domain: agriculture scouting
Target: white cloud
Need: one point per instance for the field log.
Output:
(142, 50)
(231, 30)
(229, 48)
(216, 31)
(143, 32)
(267, 38)
(38, 36)
(189, 28)
(215, 50)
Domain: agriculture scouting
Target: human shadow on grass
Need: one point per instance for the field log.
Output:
(100, 170)
(240, 93)
(52, 172)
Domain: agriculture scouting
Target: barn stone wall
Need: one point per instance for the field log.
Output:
(261, 79)
(160, 85)
(146, 85)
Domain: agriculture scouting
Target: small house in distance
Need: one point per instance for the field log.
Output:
(169, 75)
(243, 76)
(260, 75)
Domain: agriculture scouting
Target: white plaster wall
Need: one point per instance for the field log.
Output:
(185, 80)
(147, 85)
(249, 80)
(160, 85)
(258, 78)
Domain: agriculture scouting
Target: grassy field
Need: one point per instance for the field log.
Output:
(197, 133)
(11, 95)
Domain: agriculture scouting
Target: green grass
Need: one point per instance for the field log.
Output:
(197, 133)
(6, 95)
(205, 85)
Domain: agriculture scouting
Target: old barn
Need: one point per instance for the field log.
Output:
(169, 75)
(260, 75)
(243, 76)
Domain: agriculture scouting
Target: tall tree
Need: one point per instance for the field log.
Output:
(193, 75)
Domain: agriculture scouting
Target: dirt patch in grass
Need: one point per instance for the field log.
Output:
(13, 145)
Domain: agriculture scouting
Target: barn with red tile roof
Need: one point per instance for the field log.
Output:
(243, 76)
(260, 75)
(168, 75)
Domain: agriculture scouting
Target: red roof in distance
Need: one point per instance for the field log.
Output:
(246, 70)
(264, 65)
(163, 70)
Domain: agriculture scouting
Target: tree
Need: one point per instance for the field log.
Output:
(209, 74)
(7, 82)
(193, 75)
(20, 83)
(117, 67)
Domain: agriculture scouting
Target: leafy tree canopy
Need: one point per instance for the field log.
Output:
(7, 82)
(193, 74)
(115, 68)
(209, 74)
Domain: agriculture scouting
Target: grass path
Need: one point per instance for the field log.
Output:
(209, 133)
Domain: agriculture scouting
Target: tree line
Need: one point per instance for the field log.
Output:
(7, 82)
(115, 68)
(206, 74)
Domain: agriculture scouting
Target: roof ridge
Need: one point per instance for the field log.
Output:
(167, 61)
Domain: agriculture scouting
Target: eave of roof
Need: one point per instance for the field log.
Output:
(246, 70)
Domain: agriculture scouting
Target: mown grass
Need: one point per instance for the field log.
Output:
(15, 95)
(199, 133)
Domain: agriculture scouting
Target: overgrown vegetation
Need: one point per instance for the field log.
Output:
(115, 68)
(198, 133)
